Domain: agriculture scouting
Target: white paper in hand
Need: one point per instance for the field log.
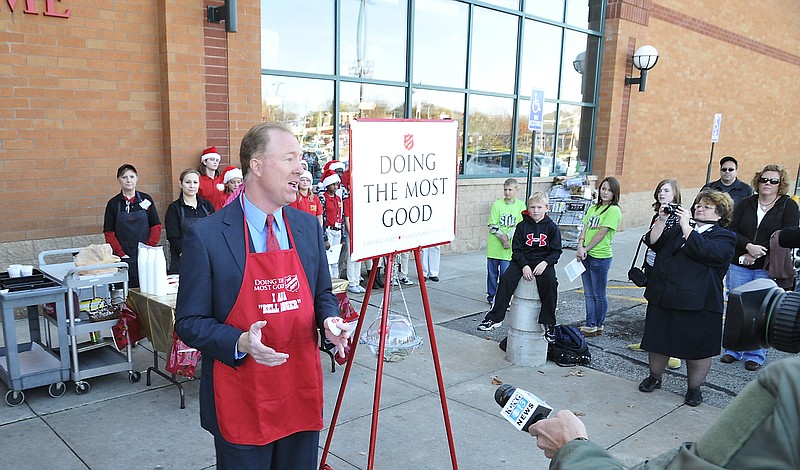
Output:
(574, 269)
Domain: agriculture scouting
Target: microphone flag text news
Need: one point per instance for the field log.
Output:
(519, 407)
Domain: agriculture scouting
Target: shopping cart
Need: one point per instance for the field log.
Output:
(568, 214)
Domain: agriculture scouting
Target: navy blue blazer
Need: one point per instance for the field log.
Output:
(688, 273)
(212, 269)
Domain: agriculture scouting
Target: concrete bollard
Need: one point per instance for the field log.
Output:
(526, 345)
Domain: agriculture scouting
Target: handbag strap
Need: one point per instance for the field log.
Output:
(636, 256)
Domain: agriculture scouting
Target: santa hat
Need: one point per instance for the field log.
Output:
(230, 173)
(307, 174)
(333, 165)
(330, 178)
(209, 153)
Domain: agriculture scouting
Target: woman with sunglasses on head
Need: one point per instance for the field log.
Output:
(755, 219)
(130, 218)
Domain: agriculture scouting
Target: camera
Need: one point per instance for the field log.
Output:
(762, 315)
(670, 208)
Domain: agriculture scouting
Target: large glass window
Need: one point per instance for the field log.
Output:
(373, 39)
(541, 58)
(440, 43)
(494, 51)
(325, 63)
(293, 39)
(489, 138)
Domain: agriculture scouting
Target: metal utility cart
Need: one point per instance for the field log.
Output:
(98, 357)
(568, 214)
(33, 363)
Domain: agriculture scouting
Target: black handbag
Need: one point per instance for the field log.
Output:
(636, 274)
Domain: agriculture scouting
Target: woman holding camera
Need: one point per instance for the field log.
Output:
(684, 291)
(755, 219)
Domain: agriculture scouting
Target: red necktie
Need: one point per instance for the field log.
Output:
(272, 240)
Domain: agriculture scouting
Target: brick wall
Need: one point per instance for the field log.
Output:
(739, 61)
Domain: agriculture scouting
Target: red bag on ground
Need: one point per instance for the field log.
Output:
(182, 359)
(127, 329)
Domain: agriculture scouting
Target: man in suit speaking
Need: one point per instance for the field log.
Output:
(254, 289)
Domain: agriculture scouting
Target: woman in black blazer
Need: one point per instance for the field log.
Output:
(684, 290)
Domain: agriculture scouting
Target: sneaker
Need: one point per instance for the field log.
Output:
(635, 347)
(674, 363)
(406, 281)
(549, 333)
(433, 278)
(589, 331)
(490, 300)
(356, 289)
(489, 325)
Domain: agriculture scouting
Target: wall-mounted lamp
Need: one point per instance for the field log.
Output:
(580, 62)
(644, 59)
(225, 12)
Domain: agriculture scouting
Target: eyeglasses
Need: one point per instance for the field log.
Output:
(769, 180)
(727, 169)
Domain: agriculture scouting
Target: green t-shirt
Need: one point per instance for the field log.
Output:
(595, 218)
(505, 217)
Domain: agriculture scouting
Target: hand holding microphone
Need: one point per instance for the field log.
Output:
(551, 434)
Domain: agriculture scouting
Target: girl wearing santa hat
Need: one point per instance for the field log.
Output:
(231, 180)
(210, 179)
(306, 200)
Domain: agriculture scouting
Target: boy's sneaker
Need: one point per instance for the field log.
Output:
(549, 333)
(406, 281)
(489, 325)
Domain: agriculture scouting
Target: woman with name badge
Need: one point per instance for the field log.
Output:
(130, 218)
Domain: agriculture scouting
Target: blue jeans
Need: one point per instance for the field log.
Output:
(494, 269)
(595, 284)
(737, 276)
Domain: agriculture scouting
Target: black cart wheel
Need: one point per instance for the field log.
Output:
(14, 398)
(134, 376)
(82, 387)
(57, 389)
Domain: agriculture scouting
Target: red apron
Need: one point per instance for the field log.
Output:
(257, 404)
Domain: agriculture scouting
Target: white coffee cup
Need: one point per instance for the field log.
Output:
(26, 270)
(14, 270)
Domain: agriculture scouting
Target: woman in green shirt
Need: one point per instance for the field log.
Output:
(594, 250)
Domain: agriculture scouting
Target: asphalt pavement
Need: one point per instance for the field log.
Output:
(124, 425)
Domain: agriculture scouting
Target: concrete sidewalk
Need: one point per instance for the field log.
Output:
(121, 425)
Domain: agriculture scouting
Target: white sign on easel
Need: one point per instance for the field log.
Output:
(403, 184)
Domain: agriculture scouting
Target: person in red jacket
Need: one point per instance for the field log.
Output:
(130, 218)
(210, 178)
(306, 200)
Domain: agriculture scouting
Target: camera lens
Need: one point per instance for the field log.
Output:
(761, 315)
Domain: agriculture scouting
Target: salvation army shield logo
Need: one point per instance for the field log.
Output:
(292, 283)
(408, 141)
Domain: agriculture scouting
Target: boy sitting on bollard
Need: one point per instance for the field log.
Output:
(536, 248)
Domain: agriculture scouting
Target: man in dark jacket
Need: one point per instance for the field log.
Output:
(729, 182)
(536, 248)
